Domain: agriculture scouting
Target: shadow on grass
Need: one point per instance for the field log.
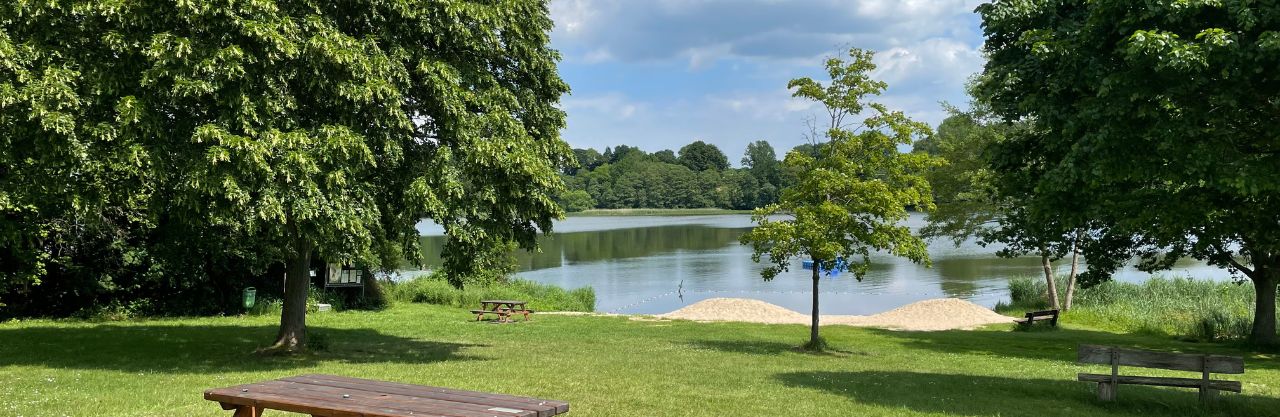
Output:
(988, 395)
(765, 347)
(1061, 344)
(207, 349)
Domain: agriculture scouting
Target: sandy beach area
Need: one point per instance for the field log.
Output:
(934, 314)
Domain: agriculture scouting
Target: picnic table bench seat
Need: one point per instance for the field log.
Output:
(337, 396)
(1116, 357)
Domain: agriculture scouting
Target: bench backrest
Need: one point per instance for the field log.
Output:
(1042, 313)
(1161, 360)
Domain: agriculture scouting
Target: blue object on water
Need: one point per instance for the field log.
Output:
(840, 266)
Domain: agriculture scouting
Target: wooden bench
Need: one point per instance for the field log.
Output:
(336, 396)
(1031, 317)
(503, 309)
(1204, 364)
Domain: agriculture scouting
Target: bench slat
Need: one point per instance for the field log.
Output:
(1218, 364)
(1220, 385)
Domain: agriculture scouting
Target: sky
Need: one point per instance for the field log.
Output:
(659, 74)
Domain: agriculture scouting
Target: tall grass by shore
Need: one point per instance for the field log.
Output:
(433, 289)
(1183, 307)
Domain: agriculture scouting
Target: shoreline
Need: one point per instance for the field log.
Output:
(655, 212)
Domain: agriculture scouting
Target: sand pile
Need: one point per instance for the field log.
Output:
(935, 314)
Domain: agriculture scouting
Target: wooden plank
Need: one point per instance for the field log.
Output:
(473, 397)
(544, 407)
(1162, 360)
(1221, 385)
(343, 396)
(264, 400)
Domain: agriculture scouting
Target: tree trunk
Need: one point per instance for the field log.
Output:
(1264, 307)
(1048, 276)
(813, 329)
(1071, 279)
(293, 315)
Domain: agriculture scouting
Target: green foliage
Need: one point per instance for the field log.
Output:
(851, 199)
(702, 156)
(435, 289)
(634, 179)
(577, 200)
(158, 148)
(964, 187)
(1152, 125)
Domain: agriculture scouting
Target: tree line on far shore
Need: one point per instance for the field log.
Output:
(698, 176)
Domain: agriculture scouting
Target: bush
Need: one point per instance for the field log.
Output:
(435, 289)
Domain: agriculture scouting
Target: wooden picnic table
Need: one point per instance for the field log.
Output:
(337, 396)
(503, 309)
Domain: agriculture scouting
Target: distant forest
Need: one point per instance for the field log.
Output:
(698, 176)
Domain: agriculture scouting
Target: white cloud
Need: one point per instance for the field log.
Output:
(659, 73)
(635, 30)
(612, 105)
(777, 105)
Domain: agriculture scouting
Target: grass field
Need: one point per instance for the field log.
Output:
(603, 366)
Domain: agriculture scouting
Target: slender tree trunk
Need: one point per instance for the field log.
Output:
(293, 315)
(813, 329)
(1264, 309)
(1071, 279)
(1048, 276)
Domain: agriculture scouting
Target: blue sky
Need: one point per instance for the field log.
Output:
(659, 74)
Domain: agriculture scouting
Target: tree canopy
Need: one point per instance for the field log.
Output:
(851, 199)
(702, 156)
(1154, 124)
(636, 179)
(291, 129)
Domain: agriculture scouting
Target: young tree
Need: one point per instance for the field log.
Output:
(1156, 122)
(299, 130)
(851, 199)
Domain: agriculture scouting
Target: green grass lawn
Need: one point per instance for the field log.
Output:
(603, 366)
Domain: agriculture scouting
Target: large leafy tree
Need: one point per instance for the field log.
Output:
(851, 198)
(1156, 121)
(295, 129)
(702, 156)
(973, 202)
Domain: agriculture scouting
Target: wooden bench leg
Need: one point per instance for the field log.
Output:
(1208, 395)
(1106, 391)
(247, 411)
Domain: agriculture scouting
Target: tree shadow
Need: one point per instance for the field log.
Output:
(764, 347)
(1061, 344)
(207, 348)
(990, 395)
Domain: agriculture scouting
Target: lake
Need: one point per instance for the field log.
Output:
(657, 264)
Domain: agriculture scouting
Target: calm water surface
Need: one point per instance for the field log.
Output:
(657, 264)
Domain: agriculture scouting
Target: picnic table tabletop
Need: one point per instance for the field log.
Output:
(511, 302)
(338, 396)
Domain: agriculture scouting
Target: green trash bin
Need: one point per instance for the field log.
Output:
(250, 297)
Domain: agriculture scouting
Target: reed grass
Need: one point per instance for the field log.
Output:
(1182, 307)
(434, 289)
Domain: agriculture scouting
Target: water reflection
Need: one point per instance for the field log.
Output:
(657, 264)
